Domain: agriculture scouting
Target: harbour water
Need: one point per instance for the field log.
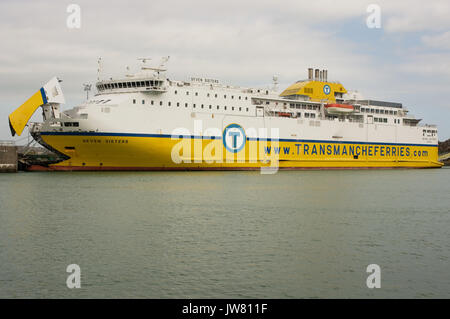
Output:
(295, 234)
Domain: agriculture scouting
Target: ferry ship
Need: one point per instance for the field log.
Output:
(146, 121)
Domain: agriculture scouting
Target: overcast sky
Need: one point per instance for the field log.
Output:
(238, 42)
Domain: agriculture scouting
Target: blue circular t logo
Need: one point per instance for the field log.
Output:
(234, 138)
(326, 89)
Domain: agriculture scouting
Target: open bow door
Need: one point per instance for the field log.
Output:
(50, 93)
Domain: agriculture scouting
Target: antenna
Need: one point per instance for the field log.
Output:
(275, 83)
(144, 60)
(99, 69)
(87, 88)
(157, 69)
(164, 61)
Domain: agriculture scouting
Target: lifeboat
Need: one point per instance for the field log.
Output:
(339, 108)
(284, 114)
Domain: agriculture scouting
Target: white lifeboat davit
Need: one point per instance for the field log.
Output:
(339, 108)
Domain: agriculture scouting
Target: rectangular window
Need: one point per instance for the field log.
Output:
(151, 102)
(143, 101)
(160, 103)
(134, 101)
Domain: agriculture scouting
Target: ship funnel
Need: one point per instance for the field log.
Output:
(325, 75)
(310, 73)
(320, 75)
(316, 75)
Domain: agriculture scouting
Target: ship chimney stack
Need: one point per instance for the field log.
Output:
(325, 75)
(321, 76)
(316, 75)
(310, 74)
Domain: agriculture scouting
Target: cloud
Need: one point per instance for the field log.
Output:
(415, 15)
(239, 42)
(439, 41)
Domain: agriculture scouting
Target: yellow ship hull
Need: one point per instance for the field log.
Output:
(102, 151)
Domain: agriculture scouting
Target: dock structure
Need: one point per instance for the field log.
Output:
(8, 157)
(445, 158)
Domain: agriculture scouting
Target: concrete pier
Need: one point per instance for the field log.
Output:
(8, 157)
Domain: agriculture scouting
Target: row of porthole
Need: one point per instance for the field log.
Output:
(215, 95)
(193, 105)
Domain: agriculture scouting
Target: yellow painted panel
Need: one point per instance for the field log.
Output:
(20, 117)
(156, 152)
(316, 90)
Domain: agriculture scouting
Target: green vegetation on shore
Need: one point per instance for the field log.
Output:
(444, 149)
